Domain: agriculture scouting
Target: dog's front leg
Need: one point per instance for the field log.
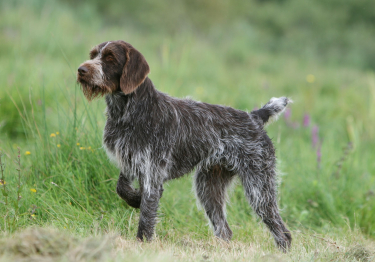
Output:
(149, 208)
(126, 191)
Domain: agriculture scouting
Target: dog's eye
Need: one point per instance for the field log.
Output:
(109, 58)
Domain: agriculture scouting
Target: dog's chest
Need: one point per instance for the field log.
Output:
(114, 143)
(111, 153)
(115, 135)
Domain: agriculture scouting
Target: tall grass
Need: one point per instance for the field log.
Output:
(75, 182)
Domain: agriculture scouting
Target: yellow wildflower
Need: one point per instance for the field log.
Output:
(33, 190)
(53, 135)
(2, 182)
(82, 148)
(89, 148)
(78, 144)
(58, 145)
(57, 133)
(27, 153)
(310, 78)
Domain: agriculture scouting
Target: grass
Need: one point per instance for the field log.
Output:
(35, 244)
(324, 145)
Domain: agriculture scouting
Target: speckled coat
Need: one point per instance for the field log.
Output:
(153, 138)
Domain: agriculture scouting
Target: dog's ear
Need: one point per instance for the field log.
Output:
(135, 69)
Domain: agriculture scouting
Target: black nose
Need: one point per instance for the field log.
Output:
(82, 70)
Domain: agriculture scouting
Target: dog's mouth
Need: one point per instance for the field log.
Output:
(90, 90)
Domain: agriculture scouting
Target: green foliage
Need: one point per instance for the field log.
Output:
(333, 31)
(325, 32)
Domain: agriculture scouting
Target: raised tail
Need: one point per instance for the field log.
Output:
(272, 110)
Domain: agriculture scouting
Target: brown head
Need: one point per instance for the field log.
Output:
(113, 65)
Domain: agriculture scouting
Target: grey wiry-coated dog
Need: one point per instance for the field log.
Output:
(153, 138)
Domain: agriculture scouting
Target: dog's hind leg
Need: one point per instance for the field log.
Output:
(211, 188)
(127, 192)
(260, 190)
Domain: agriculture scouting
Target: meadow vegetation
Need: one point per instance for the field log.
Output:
(58, 186)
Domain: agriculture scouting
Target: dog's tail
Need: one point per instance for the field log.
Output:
(272, 110)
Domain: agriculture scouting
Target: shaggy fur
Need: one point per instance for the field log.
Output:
(153, 138)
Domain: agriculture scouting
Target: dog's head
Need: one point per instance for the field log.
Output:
(114, 65)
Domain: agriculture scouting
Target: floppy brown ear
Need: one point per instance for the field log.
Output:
(135, 70)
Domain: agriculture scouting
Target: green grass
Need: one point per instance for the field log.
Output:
(75, 184)
(35, 244)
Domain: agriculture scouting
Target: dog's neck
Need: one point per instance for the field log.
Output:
(119, 104)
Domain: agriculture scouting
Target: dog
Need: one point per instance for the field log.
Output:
(153, 138)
